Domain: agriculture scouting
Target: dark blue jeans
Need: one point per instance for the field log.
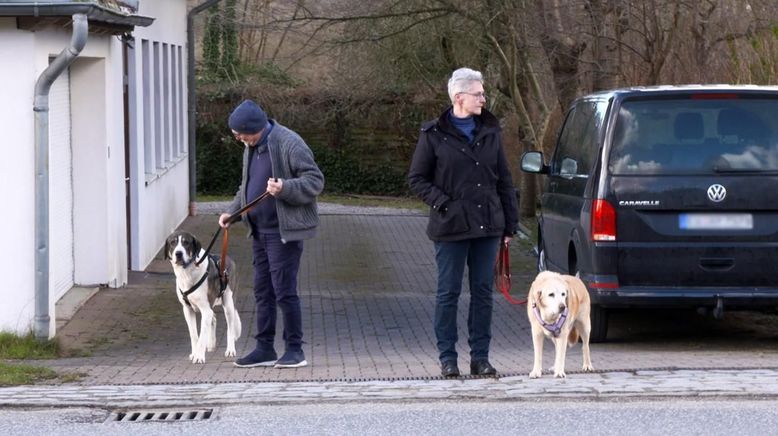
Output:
(275, 284)
(479, 255)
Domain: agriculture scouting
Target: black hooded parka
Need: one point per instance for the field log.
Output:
(466, 183)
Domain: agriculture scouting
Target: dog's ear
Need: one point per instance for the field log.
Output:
(539, 295)
(167, 248)
(196, 247)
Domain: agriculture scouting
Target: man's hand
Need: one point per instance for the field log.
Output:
(507, 239)
(223, 220)
(274, 186)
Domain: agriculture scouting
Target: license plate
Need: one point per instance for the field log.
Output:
(716, 221)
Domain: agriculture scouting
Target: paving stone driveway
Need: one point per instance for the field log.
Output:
(367, 287)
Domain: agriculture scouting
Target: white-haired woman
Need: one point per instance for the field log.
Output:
(459, 169)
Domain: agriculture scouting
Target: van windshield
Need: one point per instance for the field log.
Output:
(695, 136)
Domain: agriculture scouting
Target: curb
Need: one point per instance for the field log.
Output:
(751, 383)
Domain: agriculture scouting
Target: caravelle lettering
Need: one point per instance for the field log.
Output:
(638, 202)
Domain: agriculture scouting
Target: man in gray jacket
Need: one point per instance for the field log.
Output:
(278, 161)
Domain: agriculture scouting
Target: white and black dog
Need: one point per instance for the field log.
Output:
(199, 289)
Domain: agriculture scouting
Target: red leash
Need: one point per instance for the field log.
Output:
(502, 274)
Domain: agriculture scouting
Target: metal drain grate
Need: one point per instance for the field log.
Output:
(160, 415)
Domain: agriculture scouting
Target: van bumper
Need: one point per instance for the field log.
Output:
(732, 297)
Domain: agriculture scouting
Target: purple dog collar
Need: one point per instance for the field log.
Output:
(554, 328)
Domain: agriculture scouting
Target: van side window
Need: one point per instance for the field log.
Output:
(576, 151)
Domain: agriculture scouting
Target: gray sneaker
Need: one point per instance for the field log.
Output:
(292, 359)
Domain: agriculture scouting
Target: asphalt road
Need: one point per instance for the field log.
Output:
(623, 417)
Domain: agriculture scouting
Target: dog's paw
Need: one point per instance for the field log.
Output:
(229, 353)
(535, 373)
(587, 368)
(560, 374)
(191, 356)
(199, 359)
(210, 348)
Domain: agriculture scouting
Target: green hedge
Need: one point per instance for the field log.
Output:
(346, 169)
(363, 144)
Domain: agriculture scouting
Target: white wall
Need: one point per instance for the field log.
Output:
(160, 198)
(17, 168)
(159, 203)
(92, 250)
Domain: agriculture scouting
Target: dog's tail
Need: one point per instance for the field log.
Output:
(572, 338)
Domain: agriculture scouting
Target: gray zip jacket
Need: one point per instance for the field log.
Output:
(292, 161)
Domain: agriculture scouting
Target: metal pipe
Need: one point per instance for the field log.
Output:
(41, 108)
(192, 101)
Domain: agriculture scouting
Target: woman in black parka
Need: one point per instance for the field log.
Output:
(459, 170)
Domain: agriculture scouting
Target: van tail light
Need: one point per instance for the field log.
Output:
(603, 221)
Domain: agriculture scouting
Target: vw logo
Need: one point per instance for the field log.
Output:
(717, 193)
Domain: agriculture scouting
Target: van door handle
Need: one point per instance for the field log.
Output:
(715, 264)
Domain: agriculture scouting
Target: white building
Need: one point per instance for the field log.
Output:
(118, 157)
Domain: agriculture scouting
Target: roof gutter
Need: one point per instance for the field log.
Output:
(192, 100)
(95, 12)
(41, 108)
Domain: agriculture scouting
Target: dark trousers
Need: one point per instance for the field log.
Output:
(479, 255)
(275, 283)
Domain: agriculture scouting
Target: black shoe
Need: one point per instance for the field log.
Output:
(257, 358)
(482, 367)
(292, 359)
(449, 368)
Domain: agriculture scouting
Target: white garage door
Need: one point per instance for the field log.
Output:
(60, 189)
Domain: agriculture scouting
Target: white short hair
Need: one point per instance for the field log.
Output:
(461, 80)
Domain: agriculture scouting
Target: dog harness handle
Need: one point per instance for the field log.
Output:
(502, 274)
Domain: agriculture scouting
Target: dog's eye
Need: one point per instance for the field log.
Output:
(551, 295)
(185, 243)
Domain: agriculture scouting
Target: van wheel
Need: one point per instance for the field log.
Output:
(599, 321)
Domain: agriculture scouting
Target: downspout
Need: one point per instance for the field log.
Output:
(41, 108)
(191, 100)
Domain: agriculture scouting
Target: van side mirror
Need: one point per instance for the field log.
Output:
(532, 162)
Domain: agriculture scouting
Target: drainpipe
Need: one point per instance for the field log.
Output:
(41, 108)
(191, 100)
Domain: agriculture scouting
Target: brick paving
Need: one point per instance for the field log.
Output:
(367, 288)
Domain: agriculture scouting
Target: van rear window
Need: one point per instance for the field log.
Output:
(695, 136)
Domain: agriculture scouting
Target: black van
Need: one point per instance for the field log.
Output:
(665, 196)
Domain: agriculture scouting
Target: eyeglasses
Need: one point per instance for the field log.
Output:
(474, 94)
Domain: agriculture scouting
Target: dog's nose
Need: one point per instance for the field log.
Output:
(561, 307)
(179, 255)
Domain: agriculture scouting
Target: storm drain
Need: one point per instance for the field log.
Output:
(160, 415)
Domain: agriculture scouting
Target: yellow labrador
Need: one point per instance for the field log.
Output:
(558, 308)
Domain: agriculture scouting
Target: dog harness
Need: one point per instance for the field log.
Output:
(193, 288)
(223, 281)
(554, 328)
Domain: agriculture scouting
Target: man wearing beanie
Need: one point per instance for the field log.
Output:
(278, 161)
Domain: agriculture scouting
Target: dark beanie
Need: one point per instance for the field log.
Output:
(248, 118)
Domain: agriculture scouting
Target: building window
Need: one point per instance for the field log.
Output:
(148, 109)
(162, 85)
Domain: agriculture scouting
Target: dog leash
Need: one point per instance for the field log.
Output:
(502, 274)
(232, 218)
(225, 241)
